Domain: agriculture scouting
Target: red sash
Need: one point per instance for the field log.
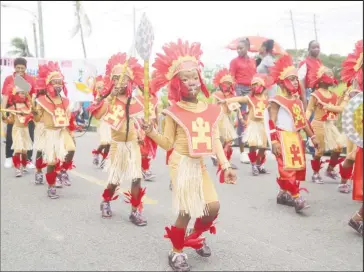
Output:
(116, 115)
(295, 108)
(198, 127)
(331, 116)
(57, 111)
(258, 106)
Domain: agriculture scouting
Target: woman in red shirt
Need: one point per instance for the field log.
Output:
(242, 68)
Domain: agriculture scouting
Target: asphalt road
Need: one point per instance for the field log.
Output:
(253, 232)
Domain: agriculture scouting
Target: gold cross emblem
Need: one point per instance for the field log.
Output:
(201, 128)
(60, 116)
(115, 115)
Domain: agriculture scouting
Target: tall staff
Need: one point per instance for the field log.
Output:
(143, 44)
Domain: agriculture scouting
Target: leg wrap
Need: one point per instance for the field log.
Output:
(67, 165)
(292, 187)
(145, 163)
(261, 159)
(179, 241)
(24, 160)
(252, 157)
(108, 195)
(39, 164)
(316, 165)
(346, 173)
(333, 163)
(104, 155)
(51, 178)
(96, 152)
(16, 161)
(136, 202)
(201, 226)
(228, 150)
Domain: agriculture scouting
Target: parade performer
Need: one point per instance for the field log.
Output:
(224, 82)
(255, 134)
(286, 119)
(191, 128)
(20, 114)
(352, 75)
(120, 111)
(103, 130)
(39, 134)
(322, 103)
(148, 148)
(53, 109)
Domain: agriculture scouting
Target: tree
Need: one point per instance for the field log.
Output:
(21, 48)
(82, 25)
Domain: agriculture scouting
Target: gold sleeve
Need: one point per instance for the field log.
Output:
(219, 150)
(311, 107)
(166, 140)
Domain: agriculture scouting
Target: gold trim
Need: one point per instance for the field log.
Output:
(359, 63)
(227, 78)
(172, 70)
(286, 72)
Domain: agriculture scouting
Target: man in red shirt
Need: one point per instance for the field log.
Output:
(242, 68)
(20, 65)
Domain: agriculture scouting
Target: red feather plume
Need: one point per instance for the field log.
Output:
(351, 64)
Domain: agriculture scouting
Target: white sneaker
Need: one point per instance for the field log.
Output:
(8, 163)
(244, 158)
(30, 165)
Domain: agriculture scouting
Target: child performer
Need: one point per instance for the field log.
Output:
(255, 134)
(323, 123)
(191, 128)
(120, 112)
(286, 119)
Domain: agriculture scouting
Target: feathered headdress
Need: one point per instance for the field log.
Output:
(320, 73)
(221, 77)
(177, 57)
(49, 72)
(261, 82)
(119, 63)
(352, 67)
(283, 69)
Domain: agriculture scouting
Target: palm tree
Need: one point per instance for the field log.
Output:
(82, 26)
(21, 48)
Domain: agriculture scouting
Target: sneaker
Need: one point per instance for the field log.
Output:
(8, 163)
(18, 173)
(332, 174)
(102, 164)
(52, 193)
(65, 179)
(316, 178)
(233, 166)
(244, 158)
(300, 204)
(255, 170)
(356, 225)
(214, 161)
(58, 183)
(170, 186)
(262, 169)
(24, 170)
(285, 198)
(344, 188)
(96, 160)
(178, 261)
(137, 219)
(30, 165)
(38, 178)
(205, 250)
(148, 176)
(105, 209)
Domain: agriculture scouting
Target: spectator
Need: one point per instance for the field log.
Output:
(242, 68)
(20, 65)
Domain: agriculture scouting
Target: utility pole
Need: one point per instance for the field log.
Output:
(40, 23)
(35, 39)
(134, 31)
(294, 36)
(314, 25)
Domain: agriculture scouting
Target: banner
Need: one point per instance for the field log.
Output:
(78, 73)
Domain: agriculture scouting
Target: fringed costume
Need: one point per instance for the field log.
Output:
(191, 129)
(324, 104)
(53, 109)
(224, 83)
(120, 111)
(255, 134)
(286, 119)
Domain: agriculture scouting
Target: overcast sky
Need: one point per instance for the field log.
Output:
(214, 24)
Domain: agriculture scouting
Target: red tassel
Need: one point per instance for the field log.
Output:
(228, 151)
(39, 164)
(177, 236)
(346, 173)
(108, 197)
(194, 241)
(145, 163)
(96, 152)
(104, 155)
(51, 178)
(135, 202)
(220, 174)
(68, 166)
(200, 227)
